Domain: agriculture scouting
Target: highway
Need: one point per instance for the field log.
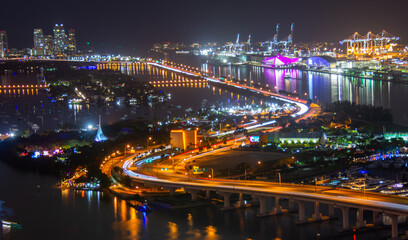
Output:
(340, 197)
(301, 104)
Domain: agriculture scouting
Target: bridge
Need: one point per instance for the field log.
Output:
(392, 208)
(23, 86)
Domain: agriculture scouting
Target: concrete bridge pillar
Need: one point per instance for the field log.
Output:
(360, 218)
(208, 194)
(290, 205)
(317, 216)
(394, 226)
(302, 217)
(265, 206)
(262, 205)
(331, 210)
(277, 209)
(345, 213)
(226, 197)
(193, 193)
(241, 200)
(377, 218)
(255, 199)
(172, 190)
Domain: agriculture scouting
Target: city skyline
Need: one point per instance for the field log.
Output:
(204, 120)
(134, 27)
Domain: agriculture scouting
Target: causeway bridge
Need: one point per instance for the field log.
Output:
(269, 194)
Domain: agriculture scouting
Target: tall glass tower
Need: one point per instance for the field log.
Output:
(60, 39)
(38, 42)
(3, 44)
(71, 41)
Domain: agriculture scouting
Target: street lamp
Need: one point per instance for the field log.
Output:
(280, 179)
(147, 141)
(126, 147)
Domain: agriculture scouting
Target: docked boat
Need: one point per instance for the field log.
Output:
(11, 224)
(141, 208)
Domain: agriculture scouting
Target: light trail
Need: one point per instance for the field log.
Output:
(299, 103)
(353, 198)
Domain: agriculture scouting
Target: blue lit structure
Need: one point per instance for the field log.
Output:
(321, 62)
(100, 137)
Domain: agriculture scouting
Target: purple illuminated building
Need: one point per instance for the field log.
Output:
(280, 60)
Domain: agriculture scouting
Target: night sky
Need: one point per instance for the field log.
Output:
(132, 26)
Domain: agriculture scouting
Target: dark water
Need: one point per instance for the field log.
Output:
(63, 214)
(20, 109)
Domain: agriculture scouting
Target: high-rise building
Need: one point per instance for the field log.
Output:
(71, 41)
(48, 45)
(3, 44)
(38, 42)
(60, 39)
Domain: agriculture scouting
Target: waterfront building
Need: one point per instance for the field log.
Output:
(280, 60)
(3, 44)
(60, 39)
(321, 62)
(183, 139)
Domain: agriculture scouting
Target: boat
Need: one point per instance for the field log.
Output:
(182, 52)
(11, 224)
(141, 208)
(287, 75)
(144, 208)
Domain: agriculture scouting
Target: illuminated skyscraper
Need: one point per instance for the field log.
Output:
(71, 41)
(38, 42)
(3, 44)
(48, 45)
(60, 39)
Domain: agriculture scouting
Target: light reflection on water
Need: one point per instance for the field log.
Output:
(31, 106)
(323, 87)
(22, 108)
(66, 214)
